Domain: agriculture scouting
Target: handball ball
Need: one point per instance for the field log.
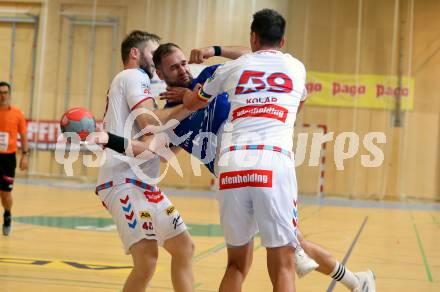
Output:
(78, 120)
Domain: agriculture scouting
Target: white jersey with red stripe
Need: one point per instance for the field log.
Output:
(128, 90)
(265, 89)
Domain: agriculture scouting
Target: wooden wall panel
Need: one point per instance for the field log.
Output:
(23, 65)
(5, 49)
(324, 35)
(321, 33)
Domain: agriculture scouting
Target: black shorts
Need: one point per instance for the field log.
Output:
(8, 163)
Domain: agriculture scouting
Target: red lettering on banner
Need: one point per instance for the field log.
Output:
(352, 90)
(270, 111)
(45, 131)
(313, 87)
(256, 178)
(382, 90)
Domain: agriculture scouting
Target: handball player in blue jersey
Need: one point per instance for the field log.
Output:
(173, 67)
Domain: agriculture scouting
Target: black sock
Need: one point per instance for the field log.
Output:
(7, 218)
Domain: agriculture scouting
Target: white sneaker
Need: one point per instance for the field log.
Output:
(367, 282)
(304, 264)
(6, 230)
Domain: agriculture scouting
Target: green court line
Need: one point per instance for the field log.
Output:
(422, 250)
(209, 252)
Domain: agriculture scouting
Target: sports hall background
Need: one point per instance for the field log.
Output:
(60, 54)
(63, 53)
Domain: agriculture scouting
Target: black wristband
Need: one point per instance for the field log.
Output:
(217, 50)
(116, 143)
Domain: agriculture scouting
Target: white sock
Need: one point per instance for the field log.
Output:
(345, 276)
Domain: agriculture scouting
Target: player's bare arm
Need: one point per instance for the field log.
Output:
(164, 115)
(145, 148)
(200, 55)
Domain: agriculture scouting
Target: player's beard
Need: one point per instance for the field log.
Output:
(146, 66)
(149, 70)
(179, 83)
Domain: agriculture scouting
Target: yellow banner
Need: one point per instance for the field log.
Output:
(365, 91)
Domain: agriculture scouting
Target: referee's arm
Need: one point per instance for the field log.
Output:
(24, 151)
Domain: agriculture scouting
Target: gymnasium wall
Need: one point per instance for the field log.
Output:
(338, 36)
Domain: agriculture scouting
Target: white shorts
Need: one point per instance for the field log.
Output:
(140, 214)
(258, 192)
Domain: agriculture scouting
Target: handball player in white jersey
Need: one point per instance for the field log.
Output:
(144, 216)
(257, 182)
(211, 119)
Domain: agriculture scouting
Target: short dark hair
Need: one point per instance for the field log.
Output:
(269, 25)
(135, 40)
(3, 83)
(162, 51)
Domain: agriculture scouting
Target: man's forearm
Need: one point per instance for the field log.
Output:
(198, 56)
(145, 148)
(178, 112)
(233, 52)
(121, 144)
(24, 143)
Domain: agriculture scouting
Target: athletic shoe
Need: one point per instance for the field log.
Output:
(367, 282)
(304, 264)
(6, 230)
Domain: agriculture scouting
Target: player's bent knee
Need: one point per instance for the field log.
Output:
(282, 256)
(145, 254)
(180, 246)
(186, 250)
(240, 258)
(191, 248)
(239, 266)
(149, 264)
(145, 268)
